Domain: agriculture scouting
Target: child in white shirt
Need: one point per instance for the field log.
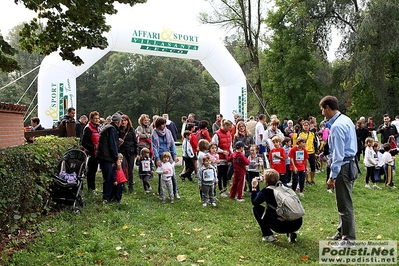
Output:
(370, 162)
(166, 170)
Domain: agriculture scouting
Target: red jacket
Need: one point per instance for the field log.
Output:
(240, 162)
(194, 143)
(224, 142)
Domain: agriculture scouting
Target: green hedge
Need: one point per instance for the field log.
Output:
(25, 175)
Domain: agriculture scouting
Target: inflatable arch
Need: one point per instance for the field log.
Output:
(57, 78)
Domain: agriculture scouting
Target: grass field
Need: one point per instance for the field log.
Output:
(143, 231)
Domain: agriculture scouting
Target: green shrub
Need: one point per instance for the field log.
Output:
(25, 175)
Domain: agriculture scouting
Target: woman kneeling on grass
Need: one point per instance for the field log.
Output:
(268, 220)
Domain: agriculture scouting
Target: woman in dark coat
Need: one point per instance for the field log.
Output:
(128, 148)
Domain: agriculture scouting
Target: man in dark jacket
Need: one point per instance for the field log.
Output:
(107, 154)
(387, 130)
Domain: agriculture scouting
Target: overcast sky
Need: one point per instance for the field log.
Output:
(179, 10)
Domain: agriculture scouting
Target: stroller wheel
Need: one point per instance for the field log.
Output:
(81, 202)
(77, 211)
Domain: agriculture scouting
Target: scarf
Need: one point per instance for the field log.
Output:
(242, 133)
(162, 133)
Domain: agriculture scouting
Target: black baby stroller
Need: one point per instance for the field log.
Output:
(68, 183)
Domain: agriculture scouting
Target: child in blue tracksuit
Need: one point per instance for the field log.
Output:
(287, 147)
(188, 156)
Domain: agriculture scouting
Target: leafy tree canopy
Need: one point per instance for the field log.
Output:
(71, 25)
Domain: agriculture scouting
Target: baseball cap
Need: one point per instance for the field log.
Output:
(240, 144)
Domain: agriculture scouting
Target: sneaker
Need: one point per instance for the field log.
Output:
(301, 195)
(163, 201)
(312, 183)
(393, 187)
(204, 204)
(337, 236)
(376, 187)
(308, 183)
(177, 196)
(270, 239)
(223, 195)
(367, 186)
(329, 190)
(317, 171)
(291, 237)
(213, 204)
(240, 200)
(172, 201)
(150, 188)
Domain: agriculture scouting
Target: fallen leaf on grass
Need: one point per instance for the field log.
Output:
(321, 229)
(99, 262)
(181, 257)
(51, 230)
(118, 248)
(200, 261)
(124, 255)
(208, 236)
(242, 257)
(133, 235)
(304, 258)
(85, 233)
(142, 234)
(379, 237)
(125, 227)
(80, 254)
(197, 229)
(201, 248)
(59, 256)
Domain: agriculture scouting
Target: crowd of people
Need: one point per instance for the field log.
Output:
(229, 159)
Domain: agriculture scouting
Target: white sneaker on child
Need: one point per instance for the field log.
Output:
(376, 187)
(367, 186)
(301, 195)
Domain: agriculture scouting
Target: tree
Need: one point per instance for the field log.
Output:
(375, 59)
(7, 63)
(25, 88)
(137, 84)
(70, 26)
(246, 18)
(293, 68)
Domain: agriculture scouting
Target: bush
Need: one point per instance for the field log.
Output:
(25, 175)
